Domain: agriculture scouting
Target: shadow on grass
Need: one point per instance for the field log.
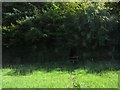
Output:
(91, 67)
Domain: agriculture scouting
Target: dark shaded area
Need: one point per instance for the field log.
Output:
(92, 67)
(35, 54)
(45, 32)
(73, 57)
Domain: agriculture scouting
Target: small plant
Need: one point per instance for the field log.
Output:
(75, 83)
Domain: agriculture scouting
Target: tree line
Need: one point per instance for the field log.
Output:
(39, 31)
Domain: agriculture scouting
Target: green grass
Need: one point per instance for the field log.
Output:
(61, 75)
(0, 79)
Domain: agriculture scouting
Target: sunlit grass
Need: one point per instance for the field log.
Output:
(54, 76)
(0, 78)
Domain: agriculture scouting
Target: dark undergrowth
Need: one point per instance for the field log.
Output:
(91, 67)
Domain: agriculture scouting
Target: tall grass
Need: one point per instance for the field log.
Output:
(61, 75)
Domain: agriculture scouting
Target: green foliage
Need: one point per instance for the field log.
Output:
(60, 25)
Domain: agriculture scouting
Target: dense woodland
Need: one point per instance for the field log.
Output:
(46, 31)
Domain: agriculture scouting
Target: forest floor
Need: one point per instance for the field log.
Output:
(61, 75)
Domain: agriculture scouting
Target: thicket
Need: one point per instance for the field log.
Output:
(47, 31)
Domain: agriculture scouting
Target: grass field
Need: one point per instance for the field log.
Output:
(61, 75)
